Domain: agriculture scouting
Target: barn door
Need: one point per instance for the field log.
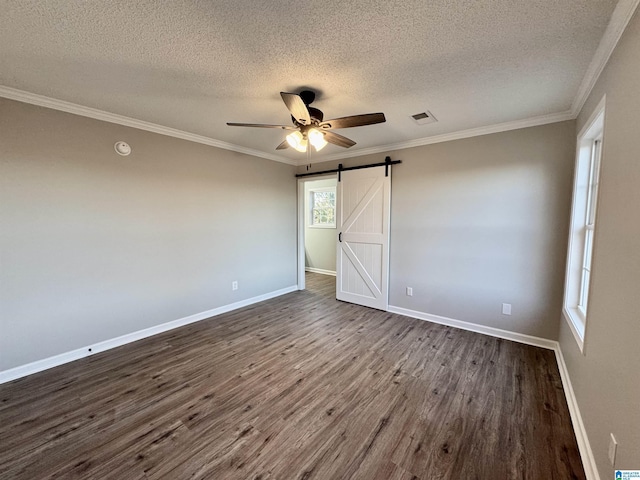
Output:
(363, 206)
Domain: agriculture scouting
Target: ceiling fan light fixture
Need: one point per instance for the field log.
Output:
(297, 141)
(316, 138)
(309, 124)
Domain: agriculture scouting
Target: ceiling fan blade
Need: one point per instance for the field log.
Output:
(296, 106)
(355, 121)
(283, 145)
(261, 125)
(339, 140)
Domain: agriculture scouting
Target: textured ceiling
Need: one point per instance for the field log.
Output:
(193, 65)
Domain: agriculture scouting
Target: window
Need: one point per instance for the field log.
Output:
(583, 224)
(323, 207)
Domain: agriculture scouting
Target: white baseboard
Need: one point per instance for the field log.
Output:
(50, 362)
(588, 460)
(586, 454)
(474, 327)
(320, 270)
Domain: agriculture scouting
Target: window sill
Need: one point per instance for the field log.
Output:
(576, 324)
(322, 226)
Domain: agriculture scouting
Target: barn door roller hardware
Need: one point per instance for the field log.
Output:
(387, 163)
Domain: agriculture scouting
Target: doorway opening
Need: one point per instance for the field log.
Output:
(317, 227)
(356, 214)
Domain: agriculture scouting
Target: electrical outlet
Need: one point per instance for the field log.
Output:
(613, 446)
(234, 285)
(409, 292)
(506, 309)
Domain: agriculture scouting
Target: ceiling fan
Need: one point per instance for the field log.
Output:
(309, 125)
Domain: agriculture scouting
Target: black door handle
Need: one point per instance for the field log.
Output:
(340, 237)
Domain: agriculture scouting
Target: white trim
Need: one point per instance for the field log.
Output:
(301, 226)
(474, 327)
(76, 109)
(322, 271)
(578, 324)
(574, 327)
(69, 107)
(46, 363)
(301, 223)
(591, 122)
(447, 137)
(619, 20)
(586, 454)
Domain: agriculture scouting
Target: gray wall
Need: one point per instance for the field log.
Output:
(482, 221)
(319, 243)
(94, 245)
(606, 379)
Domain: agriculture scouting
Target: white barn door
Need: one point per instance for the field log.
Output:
(363, 207)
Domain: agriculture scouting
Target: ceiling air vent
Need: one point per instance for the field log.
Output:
(424, 118)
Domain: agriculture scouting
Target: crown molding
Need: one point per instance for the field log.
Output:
(620, 18)
(63, 106)
(74, 108)
(447, 137)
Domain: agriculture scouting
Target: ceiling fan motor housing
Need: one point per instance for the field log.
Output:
(316, 114)
(307, 97)
(316, 117)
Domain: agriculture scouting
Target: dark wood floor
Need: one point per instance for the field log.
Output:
(298, 387)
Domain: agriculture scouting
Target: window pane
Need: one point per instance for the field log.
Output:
(588, 249)
(323, 208)
(584, 291)
(593, 182)
(583, 218)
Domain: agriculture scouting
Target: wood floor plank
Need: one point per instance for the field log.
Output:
(298, 387)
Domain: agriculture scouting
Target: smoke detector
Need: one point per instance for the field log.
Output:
(423, 118)
(122, 148)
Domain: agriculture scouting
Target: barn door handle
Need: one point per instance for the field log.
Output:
(340, 237)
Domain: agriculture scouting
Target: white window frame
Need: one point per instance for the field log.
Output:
(589, 154)
(312, 193)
